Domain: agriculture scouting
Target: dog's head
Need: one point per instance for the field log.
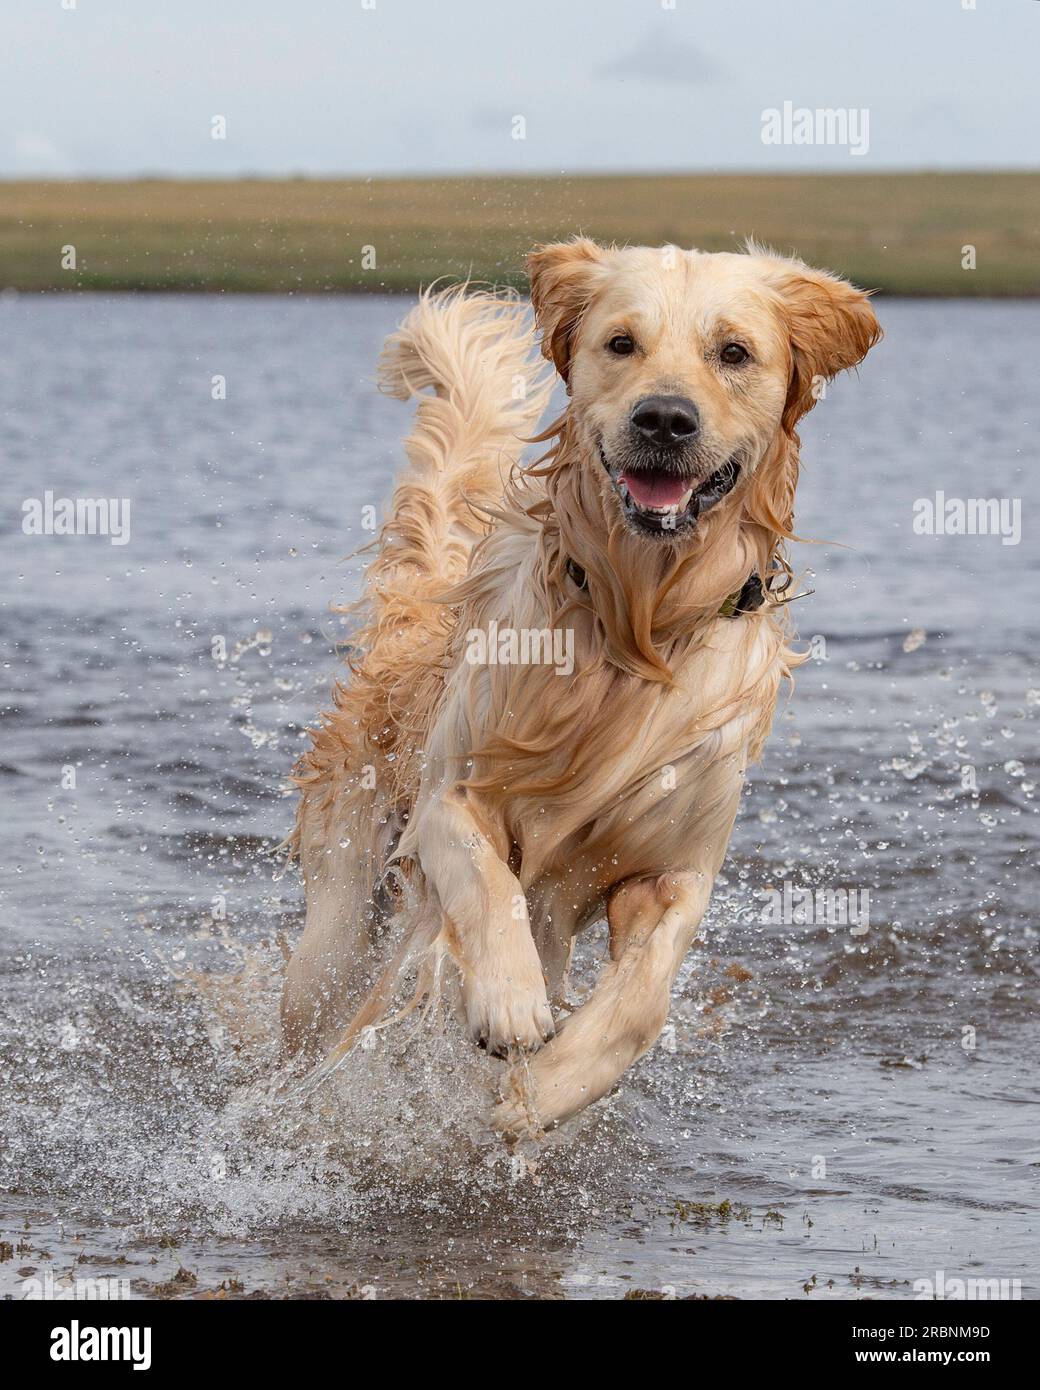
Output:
(686, 368)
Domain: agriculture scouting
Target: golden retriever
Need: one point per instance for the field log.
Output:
(563, 671)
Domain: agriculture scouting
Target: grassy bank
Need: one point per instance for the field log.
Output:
(901, 233)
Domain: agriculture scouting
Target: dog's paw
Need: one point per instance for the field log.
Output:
(515, 1120)
(502, 1015)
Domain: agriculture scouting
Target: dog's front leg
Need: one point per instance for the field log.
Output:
(503, 987)
(653, 922)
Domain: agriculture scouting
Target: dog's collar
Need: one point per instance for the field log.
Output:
(747, 599)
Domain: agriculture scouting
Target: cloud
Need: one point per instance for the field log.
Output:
(36, 153)
(661, 57)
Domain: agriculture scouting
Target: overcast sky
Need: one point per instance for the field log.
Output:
(121, 87)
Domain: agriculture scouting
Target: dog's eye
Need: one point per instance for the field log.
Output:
(733, 354)
(622, 345)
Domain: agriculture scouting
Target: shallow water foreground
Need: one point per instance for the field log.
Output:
(832, 1113)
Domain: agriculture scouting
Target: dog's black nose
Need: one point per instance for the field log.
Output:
(666, 420)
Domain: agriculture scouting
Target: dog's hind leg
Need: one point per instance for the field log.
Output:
(343, 845)
(424, 939)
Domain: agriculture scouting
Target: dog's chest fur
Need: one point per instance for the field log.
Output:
(594, 776)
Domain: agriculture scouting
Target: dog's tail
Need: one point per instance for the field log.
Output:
(477, 351)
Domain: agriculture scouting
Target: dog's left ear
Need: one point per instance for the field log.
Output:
(564, 277)
(831, 326)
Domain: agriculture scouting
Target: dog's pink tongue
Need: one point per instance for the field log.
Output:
(655, 489)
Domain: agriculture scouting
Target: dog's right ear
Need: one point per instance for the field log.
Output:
(564, 277)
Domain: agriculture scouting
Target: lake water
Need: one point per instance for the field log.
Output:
(832, 1115)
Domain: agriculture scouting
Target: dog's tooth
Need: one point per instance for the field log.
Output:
(684, 500)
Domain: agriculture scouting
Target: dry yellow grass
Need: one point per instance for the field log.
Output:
(902, 233)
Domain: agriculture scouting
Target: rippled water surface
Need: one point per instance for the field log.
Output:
(831, 1115)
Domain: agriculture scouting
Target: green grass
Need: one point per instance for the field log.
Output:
(901, 233)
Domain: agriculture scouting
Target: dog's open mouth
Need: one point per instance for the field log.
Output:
(662, 502)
